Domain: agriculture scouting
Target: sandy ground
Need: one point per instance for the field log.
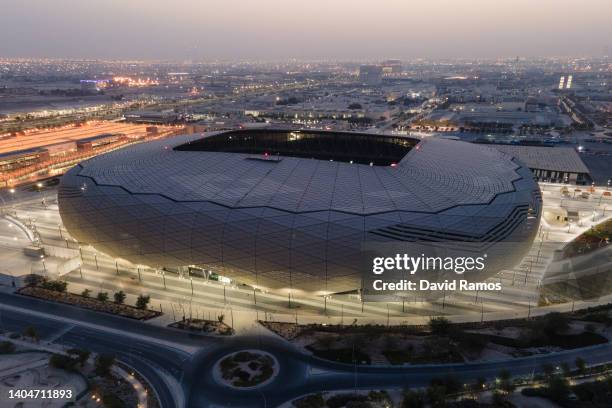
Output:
(31, 371)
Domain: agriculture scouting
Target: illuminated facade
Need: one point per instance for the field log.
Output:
(291, 209)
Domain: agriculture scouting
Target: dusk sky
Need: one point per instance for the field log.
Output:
(304, 29)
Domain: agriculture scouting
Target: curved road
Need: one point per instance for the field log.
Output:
(299, 374)
(302, 374)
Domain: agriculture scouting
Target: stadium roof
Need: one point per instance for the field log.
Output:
(434, 176)
(564, 159)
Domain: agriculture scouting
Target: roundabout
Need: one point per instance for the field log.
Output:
(246, 369)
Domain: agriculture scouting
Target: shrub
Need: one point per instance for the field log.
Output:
(33, 280)
(6, 347)
(142, 301)
(103, 364)
(440, 326)
(54, 285)
(343, 400)
(413, 399)
(112, 401)
(310, 401)
(119, 297)
(102, 296)
(558, 388)
(80, 355)
(505, 381)
(555, 323)
(580, 365)
(86, 293)
(62, 362)
(31, 333)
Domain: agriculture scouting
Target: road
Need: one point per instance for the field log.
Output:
(299, 374)
(154, 360)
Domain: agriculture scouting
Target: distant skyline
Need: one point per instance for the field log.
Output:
(205, 30)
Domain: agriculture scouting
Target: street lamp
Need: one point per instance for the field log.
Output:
(12, 191)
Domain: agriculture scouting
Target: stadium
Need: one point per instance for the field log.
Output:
(281, 209)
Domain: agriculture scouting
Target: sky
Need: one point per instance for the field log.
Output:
(272, 30)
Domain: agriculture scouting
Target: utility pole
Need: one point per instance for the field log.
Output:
(529, 309)
(388, 315)
(482, 312)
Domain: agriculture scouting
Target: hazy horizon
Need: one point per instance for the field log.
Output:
(305, 30)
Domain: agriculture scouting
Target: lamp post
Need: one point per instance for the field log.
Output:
(12, 191)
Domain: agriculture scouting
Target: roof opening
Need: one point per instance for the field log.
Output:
(378, 150)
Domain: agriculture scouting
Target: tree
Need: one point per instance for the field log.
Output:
(142, 301)
(80, 355)
(86, 293)
(558, 388)
(548, 369)
(498, 399)
(413, 399)
(103, 364)
(440, 326)
(31, 333)
(580, 365)
(112, 401)
(119, 297)
(505, 382)
(478, 386)
(221, 318)
(450, 384)
(565, 368)
(102, 296)
(436, 395)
